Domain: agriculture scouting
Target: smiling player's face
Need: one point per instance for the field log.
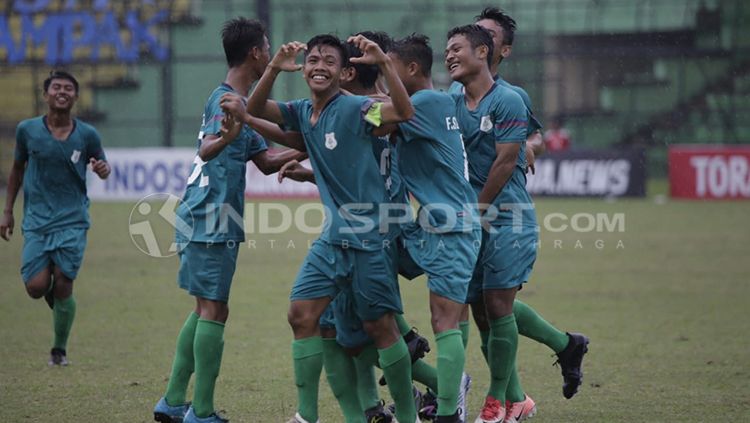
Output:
(322, 68)
(61, 95)
(461, 59)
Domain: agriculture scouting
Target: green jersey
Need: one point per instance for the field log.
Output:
(500, 117)
(54, 183)
(432, 163)
(214, 200)
(351, 185)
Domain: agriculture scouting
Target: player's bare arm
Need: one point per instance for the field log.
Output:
(15, 180)
(270, 163)
(258, 104)
(399, 109)
(500, 172)
(213, 145)
(237, 106)
(294, 170)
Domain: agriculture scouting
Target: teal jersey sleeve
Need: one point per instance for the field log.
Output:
(419, 125)
(290, 112)
(456, 88)
(94, 146)
(22, 152)
(534, 123)
(255, 145)
(510, 118)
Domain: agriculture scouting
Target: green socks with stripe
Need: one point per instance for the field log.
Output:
(307, 354)
(183, 364)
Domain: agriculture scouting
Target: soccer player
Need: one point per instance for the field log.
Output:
(493, 120)
(445, 239)
(208, 254)
(352, 254)
(569, 347)
(52, 152)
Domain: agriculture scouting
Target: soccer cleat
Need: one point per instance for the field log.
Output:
(492, 411)
(463, 393)
(165, 413)
(570, 363)
(190, 417)
(57, 357)
(428, 408)
(418, 345)
(516, 412)
(298, 419)
(378, 414)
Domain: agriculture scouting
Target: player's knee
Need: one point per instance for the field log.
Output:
(328, 333)
(301, 320)
(35, 291)
(382, 330)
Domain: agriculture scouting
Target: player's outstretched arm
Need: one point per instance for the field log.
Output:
(400, 108)
(212, 145)
(500, 172)
(270, 163)
(258, 104)
(294, 170)
(15, 180)
(236, 105)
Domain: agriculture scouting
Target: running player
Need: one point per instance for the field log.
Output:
(52, 152)
(208, 252)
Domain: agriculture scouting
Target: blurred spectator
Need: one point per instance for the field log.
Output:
(556, 138)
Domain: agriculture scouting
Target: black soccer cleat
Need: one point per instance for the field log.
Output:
(455, 418)
(418, 345)
(378, 414)
(428, 408)
(570, 363)
(57, 357)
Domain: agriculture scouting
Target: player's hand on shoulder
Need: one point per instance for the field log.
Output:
(100, 167)
(230, 128)
(6, 225)
(233, 104)
(371, 52)
(286, 58)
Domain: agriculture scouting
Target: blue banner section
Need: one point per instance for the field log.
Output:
(73, 33)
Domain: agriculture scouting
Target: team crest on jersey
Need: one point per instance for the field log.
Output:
(75, 156)
(331, 141)
(486, 124)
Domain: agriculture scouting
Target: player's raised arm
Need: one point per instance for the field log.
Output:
(400, 108)
(212, 145)
(258, 104)
(236, 105)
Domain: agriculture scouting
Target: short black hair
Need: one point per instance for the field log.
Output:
(477, 36)
(507, 23)
(329, 40)
(60, 74)
(415, 48)
(239, 36)
(367, 75)
(381, 38)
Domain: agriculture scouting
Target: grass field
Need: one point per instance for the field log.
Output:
(666, 304)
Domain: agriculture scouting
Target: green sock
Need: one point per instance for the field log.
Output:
(183, 364)
(367, 387)
(308, 363)
(63, 314)
(514, 392)
(403, 327)
(208, 347)
(425, 374)
(532, 325)
(450, 367)
(396, 365)
(501, 351)
(484, 335)
(464, 327)
(341, 375)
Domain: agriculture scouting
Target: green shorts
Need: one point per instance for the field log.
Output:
(206, 270)
(368, 277)
(64, 248)
(447, 258)
(506, 259)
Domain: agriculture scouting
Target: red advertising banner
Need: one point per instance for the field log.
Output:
(709, 171)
